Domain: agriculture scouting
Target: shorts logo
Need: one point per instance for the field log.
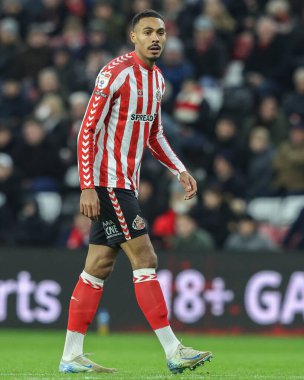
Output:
(111, 229)
(158, 95)
(103, 79)
(138, 223)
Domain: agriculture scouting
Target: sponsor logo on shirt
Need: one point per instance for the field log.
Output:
(138, 223)
(142, 117)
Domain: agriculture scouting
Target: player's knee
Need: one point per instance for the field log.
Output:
(100, 268)
(147, 259)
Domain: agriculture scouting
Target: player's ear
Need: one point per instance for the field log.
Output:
(133, 36)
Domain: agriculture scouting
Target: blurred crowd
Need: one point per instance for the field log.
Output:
(233, 111)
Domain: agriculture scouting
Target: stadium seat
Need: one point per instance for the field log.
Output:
(279, 211)
(49, 204)
(291, 206)
(71, 178)
(266, 209)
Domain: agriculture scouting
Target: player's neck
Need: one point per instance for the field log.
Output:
(147, 63)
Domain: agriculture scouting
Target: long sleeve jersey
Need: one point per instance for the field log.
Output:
(123, 117)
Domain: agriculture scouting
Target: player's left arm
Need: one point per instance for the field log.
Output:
(162, 151)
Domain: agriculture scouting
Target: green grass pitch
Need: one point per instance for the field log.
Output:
(34, 355)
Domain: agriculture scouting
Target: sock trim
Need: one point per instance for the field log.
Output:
(95, 282)
(144, 274)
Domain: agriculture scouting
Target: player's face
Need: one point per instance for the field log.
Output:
(149, 37)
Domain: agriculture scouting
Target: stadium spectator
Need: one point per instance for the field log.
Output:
(8, 143)
(51, 16)
(48, 82)
(264, 65)
(206, 51)
(288, 163)
(295, 57)
(38, 161)
(247, 238)
(213, 214)
(30, 229)
(14, 106)
(191, 109)
(242, 46)
(164, 224)
(228, 176)
(224, 24)
(187, 234)
(259, 173)
(97, 38)
(226, 141)
(270, 116)
(74, 37)
(78, 236)
(113, 22)
(279, 10)
(35, 55)
(15, 9)
(175, 65)
(9, 44)
(69, 72)
(293, 104)
(51, 112)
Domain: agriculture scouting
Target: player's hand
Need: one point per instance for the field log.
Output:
(89, 204)
(189, 185)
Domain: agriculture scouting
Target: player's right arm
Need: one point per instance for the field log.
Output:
(96, 112)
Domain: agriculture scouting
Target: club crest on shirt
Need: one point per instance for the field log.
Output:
(140, 93)
(158, 95)
(138, 223)
(103, 79)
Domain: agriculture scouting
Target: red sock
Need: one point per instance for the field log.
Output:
(84, 302)
(150, 297)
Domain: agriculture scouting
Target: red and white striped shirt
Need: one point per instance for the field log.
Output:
(123, 117)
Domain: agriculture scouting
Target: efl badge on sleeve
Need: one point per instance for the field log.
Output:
(138, 223)
(103, 79)
(158, 95)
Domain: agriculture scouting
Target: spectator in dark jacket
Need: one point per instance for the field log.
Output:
(35, 56)
(9, 46)
(14, 106)
(207, 53)
(270, 116)
(228, 176)
(293, 104)
(247, 238)
(37, 159)
(31, 229)
(213, 214)
(264, 66)
(259, 165)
